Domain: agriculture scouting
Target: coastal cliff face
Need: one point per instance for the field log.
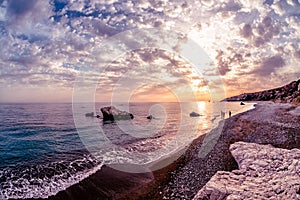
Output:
(289, 93)
(264, 172)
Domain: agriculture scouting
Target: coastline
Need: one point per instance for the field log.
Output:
(268, 123)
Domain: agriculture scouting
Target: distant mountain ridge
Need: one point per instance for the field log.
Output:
(289, 93)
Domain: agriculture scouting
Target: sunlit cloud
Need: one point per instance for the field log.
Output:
(45, 45)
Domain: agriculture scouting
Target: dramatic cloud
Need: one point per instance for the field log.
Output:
(45, 45)
(269, 65)
(246, 31)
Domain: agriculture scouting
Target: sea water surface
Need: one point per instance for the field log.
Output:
(47, 147)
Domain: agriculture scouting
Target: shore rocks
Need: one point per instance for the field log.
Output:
(110, 113)
(264, 172)
(289, 93)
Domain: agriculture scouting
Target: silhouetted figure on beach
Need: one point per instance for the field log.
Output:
(229, 113)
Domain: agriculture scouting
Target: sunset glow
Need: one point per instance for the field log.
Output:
(47, 45)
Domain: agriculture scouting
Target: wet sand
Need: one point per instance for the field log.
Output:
(106, 183)
(269, 123)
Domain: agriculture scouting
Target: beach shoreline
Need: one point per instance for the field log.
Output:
(184, 177)
(262, 125)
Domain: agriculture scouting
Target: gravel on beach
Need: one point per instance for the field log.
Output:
(268, 123)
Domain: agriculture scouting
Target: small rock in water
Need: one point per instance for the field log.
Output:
(149, 117)
(194, 114)
(91, 114)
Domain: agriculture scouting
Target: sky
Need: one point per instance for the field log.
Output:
(145, 50)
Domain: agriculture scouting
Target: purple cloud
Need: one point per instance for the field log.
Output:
(269, 65)
(246, 31)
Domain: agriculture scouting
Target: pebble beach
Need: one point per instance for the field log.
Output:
(268, 124)
(273, 124)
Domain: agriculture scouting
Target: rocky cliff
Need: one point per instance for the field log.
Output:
(289, 93)
(264, 172)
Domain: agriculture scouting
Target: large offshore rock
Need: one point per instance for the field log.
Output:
(264, 172)
(110, 113)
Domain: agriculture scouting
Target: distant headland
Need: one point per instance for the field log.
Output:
(289, 93)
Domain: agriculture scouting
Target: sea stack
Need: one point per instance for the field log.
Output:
(110, 113)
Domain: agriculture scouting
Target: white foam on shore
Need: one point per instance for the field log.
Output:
(20, 186)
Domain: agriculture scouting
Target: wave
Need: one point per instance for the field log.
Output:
(42, 181)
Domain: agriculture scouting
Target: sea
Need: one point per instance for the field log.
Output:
(48, 147)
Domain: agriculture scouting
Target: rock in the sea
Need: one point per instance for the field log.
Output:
(149, 117)
(110, 113)
(194, 114)
(91, 114)
(264, 172)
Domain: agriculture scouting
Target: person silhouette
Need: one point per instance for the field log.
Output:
(229, 113)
